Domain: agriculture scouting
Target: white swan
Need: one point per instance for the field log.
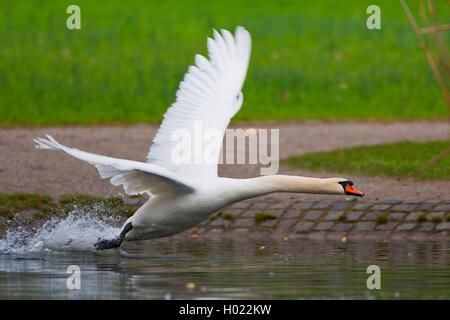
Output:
(183, 195)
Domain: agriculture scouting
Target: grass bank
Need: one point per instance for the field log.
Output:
(400, 160)
(24, 207)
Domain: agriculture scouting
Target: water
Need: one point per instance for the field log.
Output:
(33, 266)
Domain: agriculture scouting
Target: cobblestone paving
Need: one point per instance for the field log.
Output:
(331, 219)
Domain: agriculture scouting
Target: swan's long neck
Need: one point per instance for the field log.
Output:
(241, 189)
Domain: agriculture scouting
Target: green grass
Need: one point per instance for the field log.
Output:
(311, 59)
(84, 200)
(10, 204)
(228, 216)
(13, 203)
(422, 217)
(436, 219)
(402, 160)
(263, 216)
(382, 219)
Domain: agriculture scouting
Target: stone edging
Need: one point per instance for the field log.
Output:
(331, 219)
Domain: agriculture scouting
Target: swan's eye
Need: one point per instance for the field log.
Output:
(346, 182)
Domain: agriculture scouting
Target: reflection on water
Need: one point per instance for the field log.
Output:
(292, 269)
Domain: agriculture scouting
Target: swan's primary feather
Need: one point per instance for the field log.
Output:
(135, 177)
(210, 94)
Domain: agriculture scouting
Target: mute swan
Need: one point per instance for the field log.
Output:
(183, 195)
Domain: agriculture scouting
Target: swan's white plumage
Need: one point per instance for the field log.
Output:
(186, 194)
(135, 177)
(210, 94)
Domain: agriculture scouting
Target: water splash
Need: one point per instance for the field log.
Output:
(79, 230)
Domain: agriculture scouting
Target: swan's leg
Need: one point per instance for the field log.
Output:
(113, 243)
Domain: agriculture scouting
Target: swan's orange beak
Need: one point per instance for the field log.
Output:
(352, 191)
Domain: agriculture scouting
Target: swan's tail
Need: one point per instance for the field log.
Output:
(49, 143)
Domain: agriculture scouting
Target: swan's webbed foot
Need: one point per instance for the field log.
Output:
(103, 244)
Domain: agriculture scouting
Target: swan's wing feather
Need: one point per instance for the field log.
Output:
(135, 177)
(209, 95)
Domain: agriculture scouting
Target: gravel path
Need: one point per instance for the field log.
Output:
(25, 169)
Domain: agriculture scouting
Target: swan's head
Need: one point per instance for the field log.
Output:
(346, 186)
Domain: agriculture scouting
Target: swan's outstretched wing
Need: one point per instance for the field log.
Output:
(136, 177)
(207, 98)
